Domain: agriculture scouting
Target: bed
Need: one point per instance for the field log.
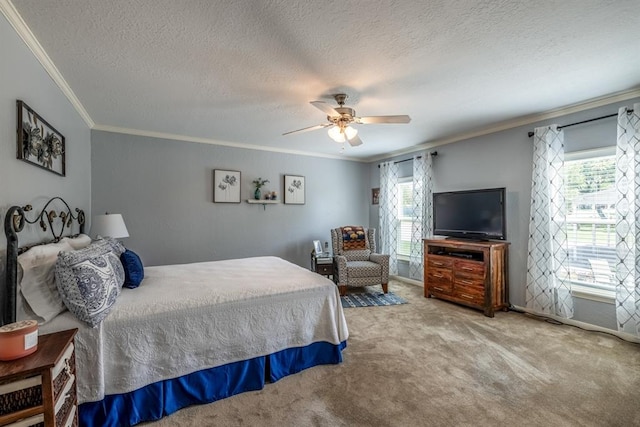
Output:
(190, 333)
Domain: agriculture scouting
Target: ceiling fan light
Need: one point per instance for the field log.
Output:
(350, 132)
(336, 134)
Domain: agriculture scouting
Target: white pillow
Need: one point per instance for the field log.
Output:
(78, 242)
(38, 285)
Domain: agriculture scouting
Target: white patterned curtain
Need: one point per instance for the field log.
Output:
(389, 213)
(422, 212)
(628, 220)
(548, 290)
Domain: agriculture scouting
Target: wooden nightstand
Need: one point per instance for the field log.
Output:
(40, 389)
(322, 264)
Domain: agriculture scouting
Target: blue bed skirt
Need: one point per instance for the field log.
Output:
(157, 400)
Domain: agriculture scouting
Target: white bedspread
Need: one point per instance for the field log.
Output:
(184, 318)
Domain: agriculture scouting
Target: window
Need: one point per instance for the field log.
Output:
(591, 198)
(405, 218)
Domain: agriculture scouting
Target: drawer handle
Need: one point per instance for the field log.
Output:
(62, 363)
(437, 263)
(466, 282)
(438, 289)
(439, 276)
(467, 268)
(466, 296)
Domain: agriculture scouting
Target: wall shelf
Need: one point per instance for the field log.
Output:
(264, 202)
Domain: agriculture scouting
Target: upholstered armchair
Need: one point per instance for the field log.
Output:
(355, 258)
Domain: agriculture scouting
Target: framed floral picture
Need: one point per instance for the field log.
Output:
(226, 186)
(375, 196)
(294, 190)
(39, 143)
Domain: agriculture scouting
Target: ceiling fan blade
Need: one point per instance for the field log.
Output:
(355, 141)
(382, 119)
(326, 108)
(309, 128)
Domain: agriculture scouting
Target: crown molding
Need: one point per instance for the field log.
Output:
(162, 135)
(18, 24)
(521, 121)
(16, 21)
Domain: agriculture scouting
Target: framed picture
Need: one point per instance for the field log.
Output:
(317, 247)
(226, 186)
(375, 196)
(294, 190)
(39, 143)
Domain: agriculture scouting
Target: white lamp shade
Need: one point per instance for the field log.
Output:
(350, 132)
(109, 225)
(342, 134)
(336, 134)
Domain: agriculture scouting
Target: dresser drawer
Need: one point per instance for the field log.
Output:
(469, 282)
(472, 298)
(440, 279)
(20, 394)
(465, 268)
(325, 269)
(62, 371)
(470, 289)
(72, 419)
(36, 420)
(66, 402)
(435, 261)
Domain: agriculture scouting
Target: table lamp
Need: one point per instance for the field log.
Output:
(109, 225)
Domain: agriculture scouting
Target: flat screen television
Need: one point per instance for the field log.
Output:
(472, 214)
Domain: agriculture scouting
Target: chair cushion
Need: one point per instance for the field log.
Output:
(364, 269)
(353, 238)
(362, 255)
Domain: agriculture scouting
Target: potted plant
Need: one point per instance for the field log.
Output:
(259, 183)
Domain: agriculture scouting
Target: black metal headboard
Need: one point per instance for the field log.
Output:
(49, 219)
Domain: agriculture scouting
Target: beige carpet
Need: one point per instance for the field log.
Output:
(433, 363)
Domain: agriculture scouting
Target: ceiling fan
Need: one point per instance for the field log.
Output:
(340, 119)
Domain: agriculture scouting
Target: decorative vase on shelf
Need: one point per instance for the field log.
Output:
(256, 194)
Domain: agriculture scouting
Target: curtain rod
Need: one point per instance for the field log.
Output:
(585, 121)
(433, 153)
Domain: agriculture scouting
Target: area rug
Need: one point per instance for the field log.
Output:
(370, 299)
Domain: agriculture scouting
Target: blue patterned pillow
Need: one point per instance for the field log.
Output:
(89, 280)
(133, 270)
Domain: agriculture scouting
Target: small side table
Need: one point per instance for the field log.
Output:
(41, 388)
(322, 263)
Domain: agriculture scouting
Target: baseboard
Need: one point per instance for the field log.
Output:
(582, 325)
(406, 280)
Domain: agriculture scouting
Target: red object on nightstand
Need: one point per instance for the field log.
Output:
(18, 339)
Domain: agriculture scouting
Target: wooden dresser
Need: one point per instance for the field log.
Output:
(40, 389)
(473, 273)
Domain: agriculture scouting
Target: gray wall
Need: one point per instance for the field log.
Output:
(504, 159)
(22, 77)
(164, 190)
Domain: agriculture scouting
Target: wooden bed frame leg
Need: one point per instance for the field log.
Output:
(385, 288)
(343, 290)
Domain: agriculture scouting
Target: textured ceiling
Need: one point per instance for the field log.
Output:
(243, 72)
